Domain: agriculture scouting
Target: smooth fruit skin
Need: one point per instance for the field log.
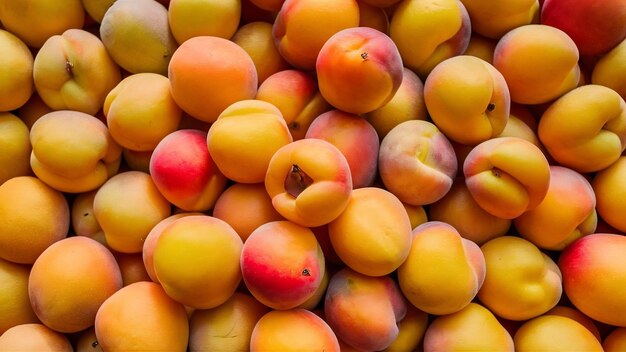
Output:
(554, 333)
(34, 337)
(17, 309)
(16, 71)
(282, 264)
(582, 263)
(141, 316)
(494, 19)
(609, 189)
(15, 146)
(192, 18)
(292, 330)
(359, 70)
(70, 280)
(594, 27)
(610, 68)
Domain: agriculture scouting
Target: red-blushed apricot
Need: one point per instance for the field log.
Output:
(33, 217)
(137, 35)
(585, 129)
(539, 63)
(586, 260)
(15, 146)
(610, 192)
(521, 281)
(17, 71)
(554, 333)
(566, 213)
(292, 35)
(363, 310)
(34, 21)
(227, 327)
(355, 138)
(314, 301)
(460, 210)
(207, 74)
(34, 337)
(507, 176)
(292, 330)
(141, 316)
(493, 20)
(184, 171)
(406, 104)
(474, 328)
(191, 18)
(309, 182)
(480, 112)
(70, 280)
(356, 234)
(295, 93)
(416, 162)
(245, 198)
(93, 158)
(196, 259)
(244, 138)
(359, 70)
(429, 31)
(282, 264)
(257, 40)
(140, 111)
(443, 271)
(16, 309)
(594, 29)
(127, 206)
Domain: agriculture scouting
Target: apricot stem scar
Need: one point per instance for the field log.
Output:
(364, 55)
(306, 272)
(491, 107)
(296, 181)
(69, 67)
(495, 172)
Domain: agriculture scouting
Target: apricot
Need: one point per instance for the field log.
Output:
(17, 309)
(192, 18)
(554, 333)
(227, 327)
(539, 63)
(356, 234)
(136, 33)
(245, 198)
(507, 176)
(609, 190)
(184, 171)
(15, 146)
(207, 74)
(309, 182)
(83, 218)
(363, 310)
(34, 21)
(493, 20)
(615, 341)
(575, 314)
(429, 31)
(127, 206)
(282, 264)
(359, 70)
(131, 267)
(299, 46)
(443, 271)
(521, 281)
(585, 129)
(473, 328)
(70, 280)
(34, 216)
(480, 112)
(34, 337)
(140, 111)
(141, 316)
(565, 214)
(355, 138)
(93, 158)
(411, 331)
(292, 330)
(244, 138)
(196, 259)
(610, 67)
(16, 69)
(416, 162)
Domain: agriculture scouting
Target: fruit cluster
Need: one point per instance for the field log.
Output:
(312, 175)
